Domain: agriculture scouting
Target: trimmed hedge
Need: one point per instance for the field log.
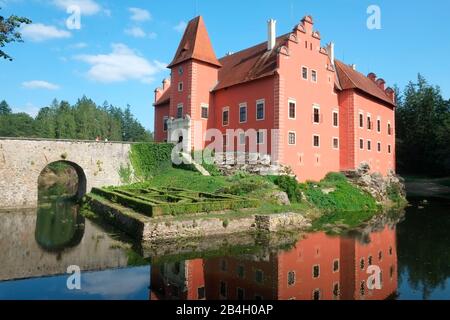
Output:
(206, 202)
(150, 158)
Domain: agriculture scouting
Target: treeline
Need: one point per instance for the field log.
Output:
(423, 130)
(83, 121)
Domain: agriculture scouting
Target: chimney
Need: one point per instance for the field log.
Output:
(166, 84)
(330, 49)
(390, 93)
(372, 76)
(272, 34)
(353, 66)
(380, 83)
(158, 94)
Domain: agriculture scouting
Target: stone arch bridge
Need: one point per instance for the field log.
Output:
(22, 161)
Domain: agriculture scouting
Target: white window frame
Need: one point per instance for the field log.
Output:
(335, 111)
(263, 102)
(295, 138)
(338, 142)
(339, 265)
(363, 146)
(316, 135)
(263, 132)
(316, 265)
(243, 105)
(369, 122)
(242, 134)
(369, 142)
(315, 107)
(204, 106)
(225, 109)
(180, 86)
(317, 76)
(361, 113)
(180, 106)
(307, 73)
(165, 118)
(381, 127)
(289, 109)
(379, 148)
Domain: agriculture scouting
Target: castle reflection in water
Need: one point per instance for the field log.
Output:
(319, 267)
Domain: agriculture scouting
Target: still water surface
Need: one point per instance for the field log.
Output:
(37, 246)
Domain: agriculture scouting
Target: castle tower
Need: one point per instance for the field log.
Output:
(194, 73)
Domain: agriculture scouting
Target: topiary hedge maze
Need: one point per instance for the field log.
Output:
(172, 201)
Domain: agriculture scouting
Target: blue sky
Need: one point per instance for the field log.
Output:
(122, 47)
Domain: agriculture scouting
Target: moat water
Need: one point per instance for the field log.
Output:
(411, 257)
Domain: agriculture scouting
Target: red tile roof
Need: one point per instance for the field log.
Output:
(195, 44)
(249, 64)
(352, 79)
(164, 99)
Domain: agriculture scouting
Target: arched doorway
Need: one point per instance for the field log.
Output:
(59, 224)
(62, 179)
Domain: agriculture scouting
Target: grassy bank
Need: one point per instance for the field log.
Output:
(333, 200)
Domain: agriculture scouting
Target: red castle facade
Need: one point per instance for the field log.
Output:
(328, 116)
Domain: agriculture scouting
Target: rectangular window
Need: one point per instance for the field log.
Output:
(292, 138)
(335, 143)
(259, 276)
(291, 278)
(165, 120)
(389, 149)
(292, 109)
(305, 73)
(180, 86)
(379, 146)
(201, 293)
(316, 271)
(379, 125)
(335, 119)
(242, 138)
(241, 272)
(242, 113)
(336, 291)
(260, 106)
(316, 294)
(205, 111)
(336, 265)
(316, 141)
(313, 75)
(361, 120)
(389, 129)
(369, 123)
(316, 114)
(180, 111)
(223, 289)
(225, 117)
(240, 294)
(260, 137)
(369, 145)
(361, 144)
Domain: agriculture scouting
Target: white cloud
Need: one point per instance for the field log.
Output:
(88, 7)
(135, 32)
(40, 32)
(39, 84)
(29, 108)
(79, 45)
(121, 64)
(139, 15)
(180, 27)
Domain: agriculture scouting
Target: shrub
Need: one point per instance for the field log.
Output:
(150, 158)
(289, 185)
